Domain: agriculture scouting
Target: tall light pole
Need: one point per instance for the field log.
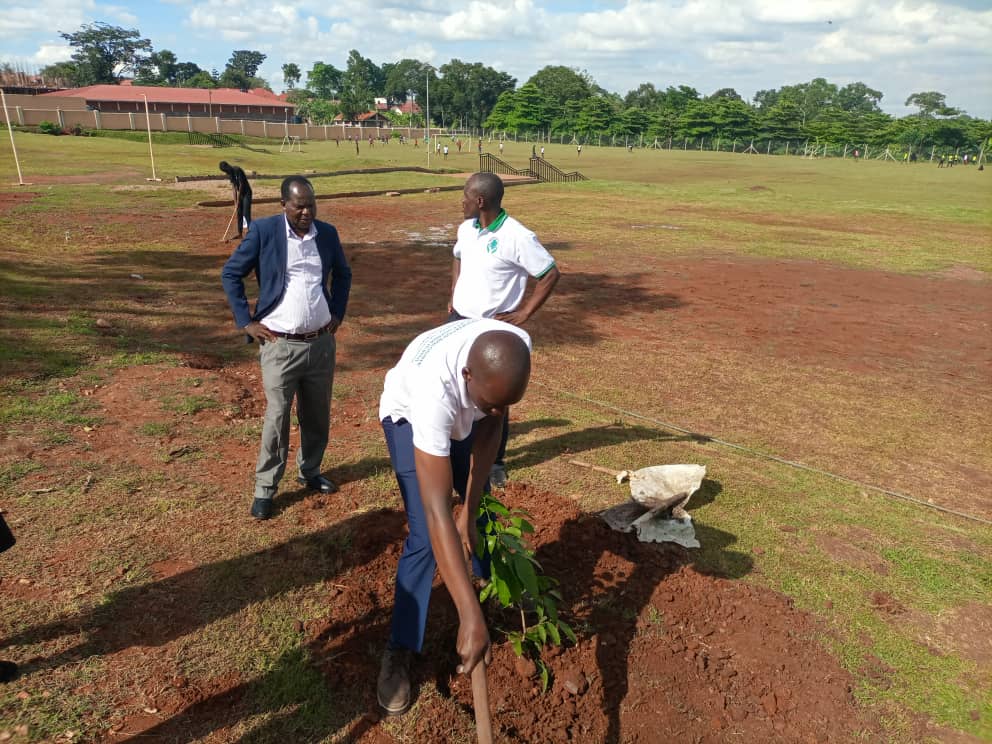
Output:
(10, 128)
(148, 125)
(427, 122)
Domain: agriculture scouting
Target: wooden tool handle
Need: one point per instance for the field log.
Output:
(597, 468)
(480, 699)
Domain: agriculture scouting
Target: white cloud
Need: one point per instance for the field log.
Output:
(45, 17)
(50, 53)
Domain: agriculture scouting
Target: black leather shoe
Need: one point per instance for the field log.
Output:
(318, 483)
(261, 508)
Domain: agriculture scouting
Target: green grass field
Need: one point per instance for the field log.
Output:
(92, 222)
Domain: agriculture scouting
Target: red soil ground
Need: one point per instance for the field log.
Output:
(665, 652)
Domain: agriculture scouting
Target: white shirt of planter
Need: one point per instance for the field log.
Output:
(427, 389)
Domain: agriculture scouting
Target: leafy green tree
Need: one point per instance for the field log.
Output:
(318, 111)
(159, 68)
(186, 71)
(233, 77)
(698, 120)
(241, 69)
(783, 121)
(678, 98)
(105, 53)
(765, 99)
(726, 93)
(246, 60)
(468, 91)
(324, 81)
(662, 123)
(530, 110)
(833, 124)
(291, 74)
(358, 85)
(631, 121)
(595, 116)
(560, 84)
(408, 76)
(645, 97)
(811, 97)
(732, 117)
(858, 98)
(60, 74)
(931, 104)
(499, 117)
(202, 79)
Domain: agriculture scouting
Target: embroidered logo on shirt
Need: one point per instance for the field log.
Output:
(492, 245)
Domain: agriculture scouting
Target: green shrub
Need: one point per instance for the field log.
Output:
(516, 581)
(49, 127)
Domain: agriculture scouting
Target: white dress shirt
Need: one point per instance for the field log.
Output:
(303, 307)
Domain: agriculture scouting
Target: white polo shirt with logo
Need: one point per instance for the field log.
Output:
(427, 389)
(495, 264)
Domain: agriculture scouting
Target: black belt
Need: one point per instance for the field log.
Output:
(304, 336)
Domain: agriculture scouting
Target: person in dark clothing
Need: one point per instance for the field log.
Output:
(242, 195)
(8, 669)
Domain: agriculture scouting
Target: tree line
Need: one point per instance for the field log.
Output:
(557, 101)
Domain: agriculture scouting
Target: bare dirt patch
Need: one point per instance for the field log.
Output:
(11, 199)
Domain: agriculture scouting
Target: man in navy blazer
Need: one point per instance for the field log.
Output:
(293, 255)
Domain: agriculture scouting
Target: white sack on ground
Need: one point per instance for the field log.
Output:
(657, 511)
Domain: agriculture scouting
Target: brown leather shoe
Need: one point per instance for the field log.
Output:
(393, 690)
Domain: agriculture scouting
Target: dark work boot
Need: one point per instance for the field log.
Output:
(393, 689)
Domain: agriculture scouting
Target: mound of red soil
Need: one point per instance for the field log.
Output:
(665, 652)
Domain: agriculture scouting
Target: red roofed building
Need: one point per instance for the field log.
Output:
(226, 103)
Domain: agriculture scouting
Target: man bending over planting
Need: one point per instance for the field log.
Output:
(442, 412)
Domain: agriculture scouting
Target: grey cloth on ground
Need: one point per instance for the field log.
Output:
(304, 370)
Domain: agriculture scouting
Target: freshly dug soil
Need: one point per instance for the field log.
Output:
(665, 652)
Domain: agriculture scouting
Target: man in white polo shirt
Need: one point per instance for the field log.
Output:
(493, 257)
(442, 411)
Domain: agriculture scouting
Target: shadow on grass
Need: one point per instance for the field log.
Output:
(401, 290)
(617, 601)
(574, 442)
(151, 301)
(158, 612)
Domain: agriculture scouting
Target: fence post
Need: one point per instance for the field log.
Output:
(96, 119)
(20, 115)
(265, 129)
(217, 124)
(165, 124)
(130, 118)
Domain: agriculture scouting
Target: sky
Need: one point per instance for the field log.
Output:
(898, 47)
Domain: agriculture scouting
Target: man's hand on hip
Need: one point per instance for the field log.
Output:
(259, 332)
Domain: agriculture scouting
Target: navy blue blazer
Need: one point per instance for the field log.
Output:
(263, 251)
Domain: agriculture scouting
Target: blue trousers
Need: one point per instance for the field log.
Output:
(417, 565)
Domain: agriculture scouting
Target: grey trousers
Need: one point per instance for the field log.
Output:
(304, 370)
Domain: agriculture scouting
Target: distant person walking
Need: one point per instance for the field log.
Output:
(242, 196)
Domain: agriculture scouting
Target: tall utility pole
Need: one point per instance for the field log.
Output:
(148, 124)
(427, 123)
